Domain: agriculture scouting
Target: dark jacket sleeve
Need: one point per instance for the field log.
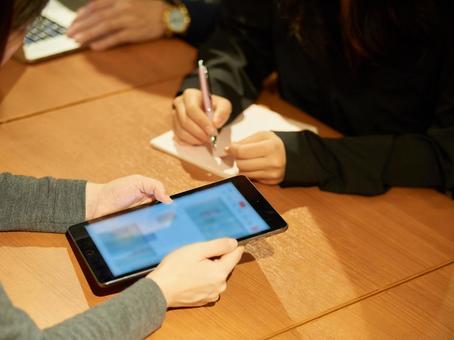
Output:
(204, 18)
(46, 204)
(369, 165)
(239, 55)
(132, 314)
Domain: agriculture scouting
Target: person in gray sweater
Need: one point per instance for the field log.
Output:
(187, 277)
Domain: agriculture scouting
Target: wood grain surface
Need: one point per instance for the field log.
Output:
(339, 248)
(420, 309)
(32, 89)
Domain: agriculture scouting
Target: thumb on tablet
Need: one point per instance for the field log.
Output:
(216, 247)
(152, 187)
(230, 260)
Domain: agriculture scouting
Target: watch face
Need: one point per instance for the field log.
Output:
(177, 21)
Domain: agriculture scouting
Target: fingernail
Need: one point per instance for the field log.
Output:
(233, 242)
(227, 149)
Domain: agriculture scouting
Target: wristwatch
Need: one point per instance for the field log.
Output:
(176, 18)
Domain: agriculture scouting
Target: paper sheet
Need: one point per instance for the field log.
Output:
(254, 119)
(42, 282)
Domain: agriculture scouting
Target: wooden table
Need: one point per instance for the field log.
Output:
(349, 266)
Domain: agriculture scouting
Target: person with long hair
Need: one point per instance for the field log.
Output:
(380, 72)
(187, 277)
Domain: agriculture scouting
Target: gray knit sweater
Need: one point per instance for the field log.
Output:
(51, 205)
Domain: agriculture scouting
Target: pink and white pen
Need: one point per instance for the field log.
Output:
(206, 96)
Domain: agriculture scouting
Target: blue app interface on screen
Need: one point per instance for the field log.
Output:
(142, 238)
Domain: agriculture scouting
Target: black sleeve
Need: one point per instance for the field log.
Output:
(239, 55)
(204, 17)
(369, 165)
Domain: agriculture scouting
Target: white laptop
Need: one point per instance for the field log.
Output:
(46, 36)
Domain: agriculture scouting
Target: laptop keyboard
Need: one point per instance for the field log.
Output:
(43, 28)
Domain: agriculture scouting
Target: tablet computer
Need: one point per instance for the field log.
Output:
(129, 244)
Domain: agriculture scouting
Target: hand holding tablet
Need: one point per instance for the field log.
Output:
(129, 244)
(204, 279)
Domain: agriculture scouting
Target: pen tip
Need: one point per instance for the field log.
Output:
(213, 140)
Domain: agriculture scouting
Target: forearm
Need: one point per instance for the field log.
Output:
(367, 165)
(133, 314)
(45, 204)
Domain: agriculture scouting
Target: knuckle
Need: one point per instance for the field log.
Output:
(237, 150)
(274, 162)
(272, 147)
(177, 100)
(223, 288)
(191, 107)
(233, 151)
(101, 16)
(219, 277)
(227, 105)
(105, 26)
(182, 119)
(262, 134)
(275, 175)
(184, 138)
(176, 124)
(240, 153)
(188, 92)
(267, 134)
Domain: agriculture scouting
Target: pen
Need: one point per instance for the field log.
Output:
(206, 96)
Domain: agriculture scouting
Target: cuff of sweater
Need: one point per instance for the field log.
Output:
(301, 166)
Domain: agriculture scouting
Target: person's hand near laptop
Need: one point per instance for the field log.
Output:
(260, 157)
(106, 23)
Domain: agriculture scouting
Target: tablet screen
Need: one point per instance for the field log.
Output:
(141, 238)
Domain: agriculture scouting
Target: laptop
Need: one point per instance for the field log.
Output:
(46, 37)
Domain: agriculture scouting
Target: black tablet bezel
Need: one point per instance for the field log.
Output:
(93, 260)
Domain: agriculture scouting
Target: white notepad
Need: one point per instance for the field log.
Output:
(254, 119)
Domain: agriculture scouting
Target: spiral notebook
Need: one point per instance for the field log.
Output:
(254, 119)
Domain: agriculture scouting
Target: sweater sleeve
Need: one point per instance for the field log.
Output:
(239, 55)
(132, 314)
(45, 204)
(369, 165)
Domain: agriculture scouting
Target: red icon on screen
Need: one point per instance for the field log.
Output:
(242, 204)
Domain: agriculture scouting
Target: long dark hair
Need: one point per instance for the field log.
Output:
(368, 29)
(16, 14)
